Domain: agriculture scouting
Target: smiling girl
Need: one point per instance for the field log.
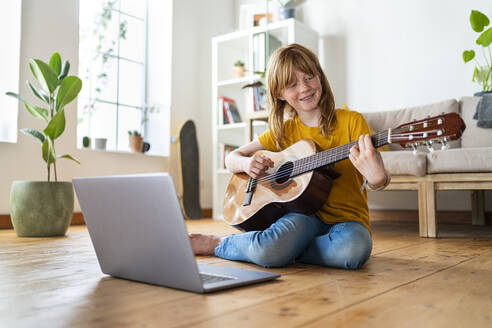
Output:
(337, 235)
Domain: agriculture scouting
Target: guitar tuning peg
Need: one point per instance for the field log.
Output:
(445, 144)
(414, 147)
(429, 146)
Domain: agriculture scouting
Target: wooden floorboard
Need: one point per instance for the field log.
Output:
(408, 282)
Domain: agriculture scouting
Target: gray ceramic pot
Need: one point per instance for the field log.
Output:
(41, 208)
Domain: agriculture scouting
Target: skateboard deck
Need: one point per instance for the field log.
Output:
(189, 171)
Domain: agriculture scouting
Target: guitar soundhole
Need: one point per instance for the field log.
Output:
(284, 172)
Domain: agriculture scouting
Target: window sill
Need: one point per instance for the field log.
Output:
(124, 152)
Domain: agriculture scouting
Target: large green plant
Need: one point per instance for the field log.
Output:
(57, 90)
(482, 73)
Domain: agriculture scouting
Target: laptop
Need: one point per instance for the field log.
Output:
(138, 232)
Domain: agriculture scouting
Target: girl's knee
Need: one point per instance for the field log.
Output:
(357, 249)
(271, 259)
(350, 248)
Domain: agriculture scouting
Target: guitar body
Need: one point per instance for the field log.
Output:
(272, 199)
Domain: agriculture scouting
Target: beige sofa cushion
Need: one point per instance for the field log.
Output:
(460, 160)
(473, 136)
(379, 121)
(404, 163)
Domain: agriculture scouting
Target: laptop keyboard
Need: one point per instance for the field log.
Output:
(211, 278)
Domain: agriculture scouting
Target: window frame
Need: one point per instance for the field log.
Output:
(118, 105)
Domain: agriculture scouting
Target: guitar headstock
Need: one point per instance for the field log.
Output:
(438, 129)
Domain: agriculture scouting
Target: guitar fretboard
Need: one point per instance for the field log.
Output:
(334, 155)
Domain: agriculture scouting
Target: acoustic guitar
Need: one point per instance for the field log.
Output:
(301, 179)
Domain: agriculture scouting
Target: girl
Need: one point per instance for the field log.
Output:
(338, 235)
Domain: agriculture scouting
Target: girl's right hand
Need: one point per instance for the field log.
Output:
(257, 165)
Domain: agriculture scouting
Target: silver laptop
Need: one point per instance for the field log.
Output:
(138, 232)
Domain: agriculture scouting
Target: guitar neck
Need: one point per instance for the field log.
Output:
(334, 155)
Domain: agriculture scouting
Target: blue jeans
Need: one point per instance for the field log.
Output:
(301, 238)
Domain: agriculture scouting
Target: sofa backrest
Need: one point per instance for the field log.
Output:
(473, 136)
(379, 121)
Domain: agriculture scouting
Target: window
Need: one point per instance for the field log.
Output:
(10, 34)
(113, 68)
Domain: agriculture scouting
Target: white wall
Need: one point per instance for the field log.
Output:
(195, 23)
(386, 54)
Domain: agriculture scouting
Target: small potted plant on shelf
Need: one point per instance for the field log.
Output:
(482, 74)
(136, 141)
(238, 69)
(45, 208)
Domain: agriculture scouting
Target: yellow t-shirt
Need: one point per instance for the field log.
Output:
(345, 202)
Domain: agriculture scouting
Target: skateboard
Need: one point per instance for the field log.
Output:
(189, 171)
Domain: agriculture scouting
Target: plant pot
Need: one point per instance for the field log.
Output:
(41, 208)
(100, 143)
(482, 93)
(136, 144)
(238, 71)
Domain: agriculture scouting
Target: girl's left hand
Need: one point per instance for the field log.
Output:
(367, 160)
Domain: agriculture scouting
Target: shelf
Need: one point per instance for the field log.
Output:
(223, 171)
(259, 115)
(245, 79)
(232, 126)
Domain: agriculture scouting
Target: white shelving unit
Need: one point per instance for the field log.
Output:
(226, 50)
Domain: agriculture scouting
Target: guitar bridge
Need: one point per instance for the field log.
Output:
(250, 189)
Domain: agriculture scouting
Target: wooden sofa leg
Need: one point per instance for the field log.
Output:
(431, 209)
(427, 209)
(478, 207)
(422, 210)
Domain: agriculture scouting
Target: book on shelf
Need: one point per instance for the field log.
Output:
(221, 118)
(263, 47)
(230, 112)
(224, 150)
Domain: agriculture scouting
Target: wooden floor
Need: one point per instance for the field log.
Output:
(408, 282)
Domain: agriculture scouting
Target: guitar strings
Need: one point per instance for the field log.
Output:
(399, 134)
(307, 162)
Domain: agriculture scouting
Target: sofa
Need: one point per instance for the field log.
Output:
(466, 165)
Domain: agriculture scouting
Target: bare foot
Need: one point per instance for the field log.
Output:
(204, 244)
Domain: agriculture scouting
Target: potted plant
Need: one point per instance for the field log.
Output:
(45, 208)
(86, 142)
(136, 141)
(238, 69)
(482, 74)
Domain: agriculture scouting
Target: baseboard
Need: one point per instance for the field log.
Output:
(452, 217)
(77, 218)
(207, 212)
